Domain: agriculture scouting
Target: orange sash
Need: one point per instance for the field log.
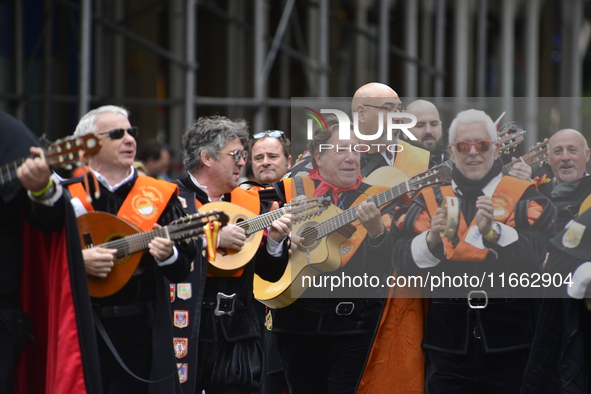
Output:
(508, 192)
(144, 204)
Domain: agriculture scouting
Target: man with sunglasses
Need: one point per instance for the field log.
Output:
(134, 324)
(229, 359)
(270, 155)
(477, 336)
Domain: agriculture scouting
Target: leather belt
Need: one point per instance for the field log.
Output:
(343, 308)
(224, 304)
(476, 299)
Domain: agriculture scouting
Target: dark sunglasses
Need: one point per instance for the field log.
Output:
(269, 133)
(117, 134)
(237, 154)
(465, 146)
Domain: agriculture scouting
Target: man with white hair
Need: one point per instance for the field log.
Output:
(477, 339)
(135, 349)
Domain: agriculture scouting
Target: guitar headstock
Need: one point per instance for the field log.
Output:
(537, 154)
(438, 174)
(509, 136)
(191, 226)
(302, 208)
(68, 149)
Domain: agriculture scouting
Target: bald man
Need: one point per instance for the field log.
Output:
(369, 102)
(569, 154)
(428, 130)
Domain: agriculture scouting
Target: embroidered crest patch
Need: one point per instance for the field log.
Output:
(181, 319)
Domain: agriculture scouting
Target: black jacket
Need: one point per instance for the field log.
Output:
(508, 322)
(301, 316)
(244, 323)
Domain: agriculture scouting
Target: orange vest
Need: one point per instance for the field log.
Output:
(508, 192)
(144, 204)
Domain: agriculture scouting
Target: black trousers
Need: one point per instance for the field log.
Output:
(132, 338)
(476, 371)
(322, 364)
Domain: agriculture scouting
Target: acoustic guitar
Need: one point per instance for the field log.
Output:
(319, 251)
(101, 229)
(230, 259)
(60, 152)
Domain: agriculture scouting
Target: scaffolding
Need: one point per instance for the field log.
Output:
(171, 61)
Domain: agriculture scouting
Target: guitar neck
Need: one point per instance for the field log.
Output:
(350, 215)
(8, 171)
(134, 243)
(261, 222)
(507, 167)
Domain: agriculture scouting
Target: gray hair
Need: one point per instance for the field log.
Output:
(86, 124)
(471, 116)
(211, 134)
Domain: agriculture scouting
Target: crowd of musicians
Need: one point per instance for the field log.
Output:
(223, 309)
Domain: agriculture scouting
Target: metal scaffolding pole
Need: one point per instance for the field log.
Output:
(85, 54)
(411, 45)
(460, 52)
(191, 48)
(260, 24)
(426, 40)
(384, 42)
(438, 85)
(507, 56)
(481, 48)
(323, 48)
(532, 55)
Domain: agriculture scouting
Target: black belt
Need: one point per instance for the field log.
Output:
(343, 308)
(121, 310)
(224, 304)
(476, 299)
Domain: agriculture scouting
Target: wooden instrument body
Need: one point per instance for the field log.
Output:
(230, 260)
(104, 227)
(324, 257)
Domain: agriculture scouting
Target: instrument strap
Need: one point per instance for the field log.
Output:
(105, 336)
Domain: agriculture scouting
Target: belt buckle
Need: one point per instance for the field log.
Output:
(483, 295)
(346, 310)
(225, 304)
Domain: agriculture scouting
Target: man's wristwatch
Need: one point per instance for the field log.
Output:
(494, 233)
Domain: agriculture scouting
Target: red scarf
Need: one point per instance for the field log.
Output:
(324, 186)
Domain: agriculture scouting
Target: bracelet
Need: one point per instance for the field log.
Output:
(42, 191)
(490, 234)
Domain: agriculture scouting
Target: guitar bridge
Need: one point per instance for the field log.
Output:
(88, 243)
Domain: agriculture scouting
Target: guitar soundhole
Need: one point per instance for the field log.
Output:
(310, 234)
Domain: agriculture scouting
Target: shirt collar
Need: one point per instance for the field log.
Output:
(103, 181)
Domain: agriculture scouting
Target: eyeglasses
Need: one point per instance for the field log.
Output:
(117, 134)
(269, 133)
(465, 146)
(389, 108)
(237, 154)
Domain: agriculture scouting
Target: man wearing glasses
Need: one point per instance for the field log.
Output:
(229, 357)
(135, 322)
(477, 337)
(372, 102)
(271, 157)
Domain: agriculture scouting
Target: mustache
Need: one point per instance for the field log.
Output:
(569, 164)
